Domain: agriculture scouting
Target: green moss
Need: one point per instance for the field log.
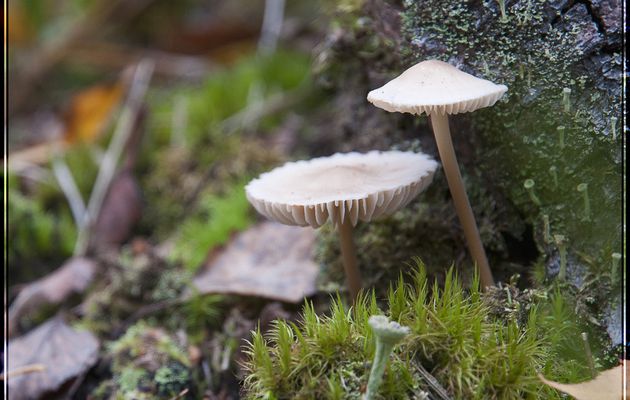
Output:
(131, 378)
(200, 312)
(146, 364)
(141, 338)
(41, 230)
(457, 336)
(217, 218)
(172, 379)
(132, 281)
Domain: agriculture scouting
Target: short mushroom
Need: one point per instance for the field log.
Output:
(438, 89)
(343, 188)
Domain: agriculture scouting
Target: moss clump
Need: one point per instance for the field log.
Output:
(454, 335)
(137, 280)
(146, 364)
(133, 279)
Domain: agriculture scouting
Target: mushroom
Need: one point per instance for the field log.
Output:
(438, 89)
(343, 188)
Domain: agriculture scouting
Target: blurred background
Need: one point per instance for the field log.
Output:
(135, 124)
(148, 116)
(219, 96)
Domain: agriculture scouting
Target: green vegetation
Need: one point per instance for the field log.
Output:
(146, 364)
(200, 312)
(519, 138)
(204, 138)
(216, 218)
(426, 229)
(36, 232)
(456, 335)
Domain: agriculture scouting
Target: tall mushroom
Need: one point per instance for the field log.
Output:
(343, 188)
(438, 89)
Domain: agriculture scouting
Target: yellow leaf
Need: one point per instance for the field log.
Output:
(90, 111)
(606, 386)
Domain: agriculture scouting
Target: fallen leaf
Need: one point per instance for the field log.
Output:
(120, 212)
(269, 260)
(90, 111)
(63, 352)
(74, 276)
(608, 385)
(21, 29)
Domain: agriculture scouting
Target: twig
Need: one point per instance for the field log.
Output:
(69, 188)
(271, 26)
(33, 172)
(260, 109)
(180, 395)
(139, 87)
(589, 354)
(152, 309)
(114, 56)
(27, 369)
(179, 122)
(430, 379)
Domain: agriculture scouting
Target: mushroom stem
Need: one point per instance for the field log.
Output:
(349, 256)
(462, 205)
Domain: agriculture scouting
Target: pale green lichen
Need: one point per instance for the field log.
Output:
(386, 335)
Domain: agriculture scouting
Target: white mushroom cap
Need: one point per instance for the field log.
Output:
(350, 185)
(434, 86)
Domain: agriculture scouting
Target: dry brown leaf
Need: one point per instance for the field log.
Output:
(120, 212)
(90, 110)
(63, 352)
(269, 260)
(74, 276)
(608, 385)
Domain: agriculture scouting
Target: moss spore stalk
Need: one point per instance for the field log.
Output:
(614, 272)
(566, 99)
(583, 188)
(387, 335)
(546, 229)
(561, 242)
(529, 186)
(561, 136)
(554, 174)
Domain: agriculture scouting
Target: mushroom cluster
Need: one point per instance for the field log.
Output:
(438, 89)
(346, 188)
(343, 189)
